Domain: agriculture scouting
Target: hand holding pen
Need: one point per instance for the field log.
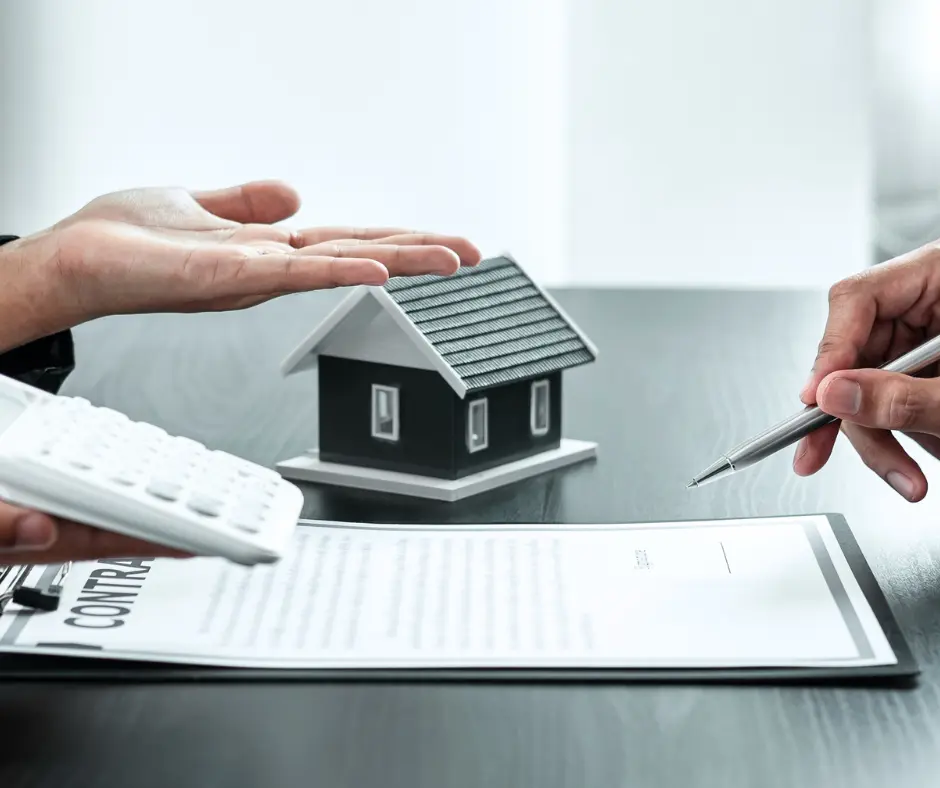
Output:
(875, 317)
(883, 329)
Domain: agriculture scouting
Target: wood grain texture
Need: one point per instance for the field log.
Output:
(681, 376)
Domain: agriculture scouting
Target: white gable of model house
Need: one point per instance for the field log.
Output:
(368, 333)
(368, 326)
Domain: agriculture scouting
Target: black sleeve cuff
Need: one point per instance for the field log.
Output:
(44, 363)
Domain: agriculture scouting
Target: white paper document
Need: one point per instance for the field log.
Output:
(746, 593)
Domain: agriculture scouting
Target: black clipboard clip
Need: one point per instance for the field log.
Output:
(37, 598)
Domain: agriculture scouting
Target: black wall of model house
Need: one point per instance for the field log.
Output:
(510, 436)
(432, 420)
(426, 417)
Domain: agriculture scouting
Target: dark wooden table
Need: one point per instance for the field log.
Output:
(681, 375)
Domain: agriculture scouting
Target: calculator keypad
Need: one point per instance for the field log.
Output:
(140, 459)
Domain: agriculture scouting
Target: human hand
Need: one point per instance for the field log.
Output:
(875, 317)
(28, 537)
(172, 250)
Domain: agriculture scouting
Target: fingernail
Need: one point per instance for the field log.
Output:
(844, 396)
(901, 484)
(33, 531)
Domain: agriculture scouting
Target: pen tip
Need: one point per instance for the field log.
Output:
(691, 484)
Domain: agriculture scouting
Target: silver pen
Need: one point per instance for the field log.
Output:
(800, 424)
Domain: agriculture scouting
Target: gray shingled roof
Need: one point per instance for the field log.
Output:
(491, 324)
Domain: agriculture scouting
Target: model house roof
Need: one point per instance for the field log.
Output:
(480, 327)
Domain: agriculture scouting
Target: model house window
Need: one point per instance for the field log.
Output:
(477, 427)
(539, 416)
(385, 412)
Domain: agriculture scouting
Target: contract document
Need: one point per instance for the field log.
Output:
(711, 594)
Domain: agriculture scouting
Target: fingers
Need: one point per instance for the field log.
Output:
(814, 451)
(871, 404)
(28, 537)
(256, 234)
(398, 260)
(878, 449)
(884, 455)
(929, 443)
(852, 312)
(256, 273)
(882, 400)
(77, 542)
(319, 235)
(908, 285)
(247, 272)
(466, 252)
(261, 202)
(22, 530)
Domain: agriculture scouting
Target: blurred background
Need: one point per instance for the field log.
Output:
(741, 143)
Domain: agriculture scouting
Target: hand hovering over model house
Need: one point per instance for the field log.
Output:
(172, 250)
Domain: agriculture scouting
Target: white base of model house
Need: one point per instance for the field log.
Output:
(309, 468)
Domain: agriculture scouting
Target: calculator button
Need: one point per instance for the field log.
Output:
(246, 524)
(127, 479)
(206, 504)
(166, 489)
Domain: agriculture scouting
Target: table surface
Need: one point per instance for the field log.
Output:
(681, 376)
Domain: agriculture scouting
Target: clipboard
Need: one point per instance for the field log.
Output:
(23, 667)
(43, 596)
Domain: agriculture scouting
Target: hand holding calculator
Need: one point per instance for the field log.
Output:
(68, 458)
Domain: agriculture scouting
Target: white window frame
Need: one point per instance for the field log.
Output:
(392, 392)
(537, 386)
(473, 405)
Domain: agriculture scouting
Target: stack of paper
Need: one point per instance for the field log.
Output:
(777, 592)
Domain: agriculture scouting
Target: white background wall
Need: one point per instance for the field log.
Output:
(603, 141)
(412, 112)
(907, 123)
(722, 142)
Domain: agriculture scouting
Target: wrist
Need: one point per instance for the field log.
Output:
(27, 309)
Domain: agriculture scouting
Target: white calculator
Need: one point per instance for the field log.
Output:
(66, 457)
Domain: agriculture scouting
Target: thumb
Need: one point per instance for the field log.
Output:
(882, 400)
(22, 529)
(256, 202)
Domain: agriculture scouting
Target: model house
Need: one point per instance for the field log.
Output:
(441, 386)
